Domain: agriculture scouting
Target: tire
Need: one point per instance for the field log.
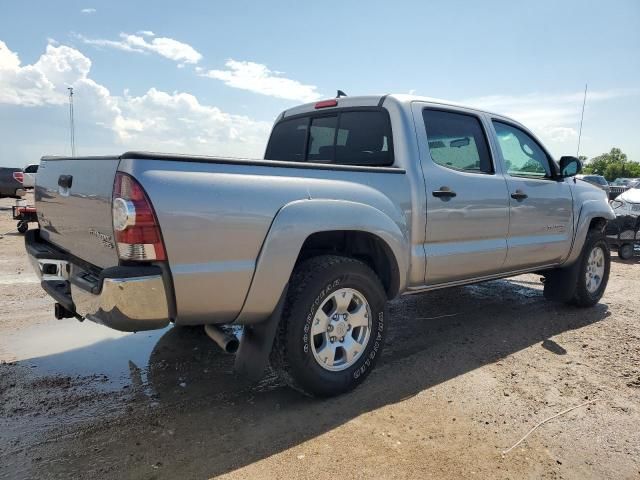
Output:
(318, 290)
(23, 227)
(625, 251)
(585, 294)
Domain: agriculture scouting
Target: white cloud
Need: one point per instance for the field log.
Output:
(156, 120)
(165, 47)
(257, 78)
(553, 117)
(88, 11)
(147, 33)
(43, 82)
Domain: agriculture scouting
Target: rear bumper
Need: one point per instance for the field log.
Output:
(123, 298)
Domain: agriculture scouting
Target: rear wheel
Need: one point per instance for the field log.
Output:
(23, 226)
(625, 252)
(332, 327)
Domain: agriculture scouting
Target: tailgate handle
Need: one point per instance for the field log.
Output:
(65, 181)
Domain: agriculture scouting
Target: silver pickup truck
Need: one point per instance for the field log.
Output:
(358, 200)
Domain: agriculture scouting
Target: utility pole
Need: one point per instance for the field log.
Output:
(581, 119)
(72, 127)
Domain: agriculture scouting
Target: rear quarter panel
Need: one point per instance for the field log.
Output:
(215, 218)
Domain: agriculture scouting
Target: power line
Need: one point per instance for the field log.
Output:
(72, 126)
(581, 119)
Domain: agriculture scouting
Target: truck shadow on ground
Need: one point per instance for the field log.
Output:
(191, 413)
(433, 338)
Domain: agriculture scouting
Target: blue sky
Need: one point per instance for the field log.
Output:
(210, 77)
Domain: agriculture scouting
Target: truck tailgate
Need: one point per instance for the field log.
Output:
(73, 200)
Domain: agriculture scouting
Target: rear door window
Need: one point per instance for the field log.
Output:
(348, 137)
(457, 141)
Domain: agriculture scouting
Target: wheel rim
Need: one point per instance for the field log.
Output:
(340, 329)
(595, 269)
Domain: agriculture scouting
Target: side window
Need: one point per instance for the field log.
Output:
(31, 169)
(457, 141)
(522, 155)
(321, 137)
(288, 140)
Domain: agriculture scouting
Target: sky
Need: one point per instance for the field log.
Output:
(209, 77)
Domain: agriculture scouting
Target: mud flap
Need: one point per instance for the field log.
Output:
(255, 345)
(560, 284)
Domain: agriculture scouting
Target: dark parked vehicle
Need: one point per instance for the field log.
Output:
(11, 182)
(597, 180)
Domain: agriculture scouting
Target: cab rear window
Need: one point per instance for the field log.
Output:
(344, 137)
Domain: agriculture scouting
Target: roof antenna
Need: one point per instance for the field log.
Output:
(581, 119)
(72, 125)
(340, 94)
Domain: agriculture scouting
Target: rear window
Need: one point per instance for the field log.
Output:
(357, 137)
(287, 140)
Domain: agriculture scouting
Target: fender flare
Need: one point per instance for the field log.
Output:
(293, 224)
(590, 209)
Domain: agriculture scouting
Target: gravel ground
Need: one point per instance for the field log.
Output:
(465, 374)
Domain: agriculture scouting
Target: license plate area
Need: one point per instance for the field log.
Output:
(53, 269)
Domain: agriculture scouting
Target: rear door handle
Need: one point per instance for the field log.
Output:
(519, 195)
(444, 192)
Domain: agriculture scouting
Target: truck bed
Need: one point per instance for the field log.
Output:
(214, 214)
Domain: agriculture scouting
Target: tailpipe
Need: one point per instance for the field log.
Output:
(226, 341)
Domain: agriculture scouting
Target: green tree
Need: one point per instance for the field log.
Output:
(612, 165)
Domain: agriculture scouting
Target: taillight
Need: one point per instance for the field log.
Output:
(326, 103)
(134, 222)
(18, 176)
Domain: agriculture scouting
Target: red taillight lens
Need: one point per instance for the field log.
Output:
(18, 176)
(134, 222)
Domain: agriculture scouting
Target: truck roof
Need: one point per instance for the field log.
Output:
(378, 100)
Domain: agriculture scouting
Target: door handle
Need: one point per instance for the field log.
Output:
(444, 192)
(519, 195)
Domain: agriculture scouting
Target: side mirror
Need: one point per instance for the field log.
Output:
(570, 166)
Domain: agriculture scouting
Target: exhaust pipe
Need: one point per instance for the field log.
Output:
(226, 341)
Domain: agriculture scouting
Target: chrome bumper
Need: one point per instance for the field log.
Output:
(124, 298)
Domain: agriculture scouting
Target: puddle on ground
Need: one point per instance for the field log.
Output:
(71, 348)
(165, 363)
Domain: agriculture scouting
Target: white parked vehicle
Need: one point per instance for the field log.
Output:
(30, 173)
(627, 203)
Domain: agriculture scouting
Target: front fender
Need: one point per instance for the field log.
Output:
(292, 226)
(590, 209)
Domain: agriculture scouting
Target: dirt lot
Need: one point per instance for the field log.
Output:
(465, 374)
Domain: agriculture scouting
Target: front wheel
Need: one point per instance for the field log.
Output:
(332, 328)
(22, 226)
(593, 273)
